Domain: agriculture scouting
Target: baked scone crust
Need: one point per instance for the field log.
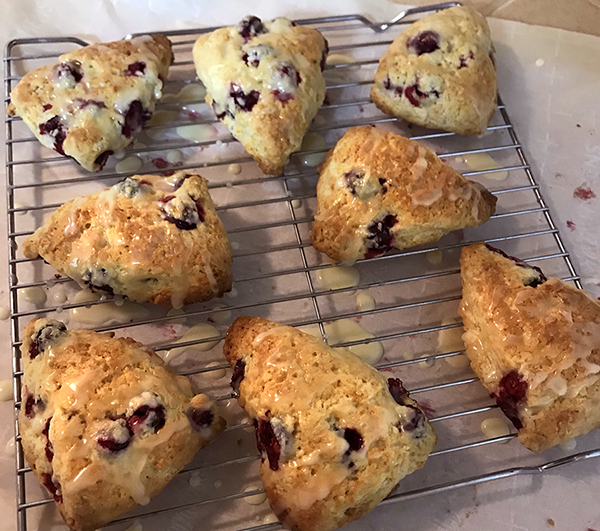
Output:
(95, 99)
(104, 424)
(535, 345)
(334, 441)
(264, 82)
(439, 73)
(379, 190)
(150, 238)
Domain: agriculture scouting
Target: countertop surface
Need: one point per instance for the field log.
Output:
(548, 77)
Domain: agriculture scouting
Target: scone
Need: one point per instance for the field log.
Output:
(378, 190)
(265, 83)
(104, 424)
(439, 73)
(535, 345)
(335, 436)
(150, 238)
(96, 99)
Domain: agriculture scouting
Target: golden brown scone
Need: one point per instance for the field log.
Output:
(535, 345)
(439, 73)
(96, 99)
(104, 424)
(378, 190)
(265, 83)
(148, 237)
(335, 436)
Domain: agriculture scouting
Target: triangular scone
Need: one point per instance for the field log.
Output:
(439, 73)
(96, 99)
(535, 345)
(335, 436)
(264, 82)
(378, 190)
(150, 238)
(104, 424)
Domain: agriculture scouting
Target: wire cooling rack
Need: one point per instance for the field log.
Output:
(276, 276)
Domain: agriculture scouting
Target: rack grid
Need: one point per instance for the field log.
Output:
(277, 272)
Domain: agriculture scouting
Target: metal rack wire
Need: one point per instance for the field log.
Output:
(413, 301)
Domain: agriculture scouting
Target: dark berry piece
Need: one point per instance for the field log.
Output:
(537, 280)
(115, 437)
(516, 260)
(464, 58)
(200, 209)
(267, 442)
(415, 423)
(243, 101)
(183, 214)
(49, 450)
(180, 182)
(44, 336)
(147, 418)
(380, 238)
(219, 113)
(34, 351)
(134, 119)
(33, 405)
(414, 95)
(113, 445)
(103, 158)
(283, 97)
(251, 26)
(287, 70)
(69, 73)
(29, 407)
(200, 418)
(238, 375)
(363, 187)
(136, 69)
(256, 54)
(424, 42)
(56, 130)
(323, 61)
(397, 390)
(396, 89)
(131, 187)
(383, 184)
(353, 179)
(53, 487)
(97, 280)
(47, 107)
(354, 439)
(512, 391)
(540, 278)
(81, 103)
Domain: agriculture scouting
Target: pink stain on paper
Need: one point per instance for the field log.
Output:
(571, 225)
(427, 409)
(584, 192)
(169, 331)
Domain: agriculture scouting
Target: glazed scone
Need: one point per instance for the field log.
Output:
(439, 73)
(378, 190)
(150, 238)
(265, 83)
(535, 345)
(104, 424)
(96, 99)
(335, 436)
